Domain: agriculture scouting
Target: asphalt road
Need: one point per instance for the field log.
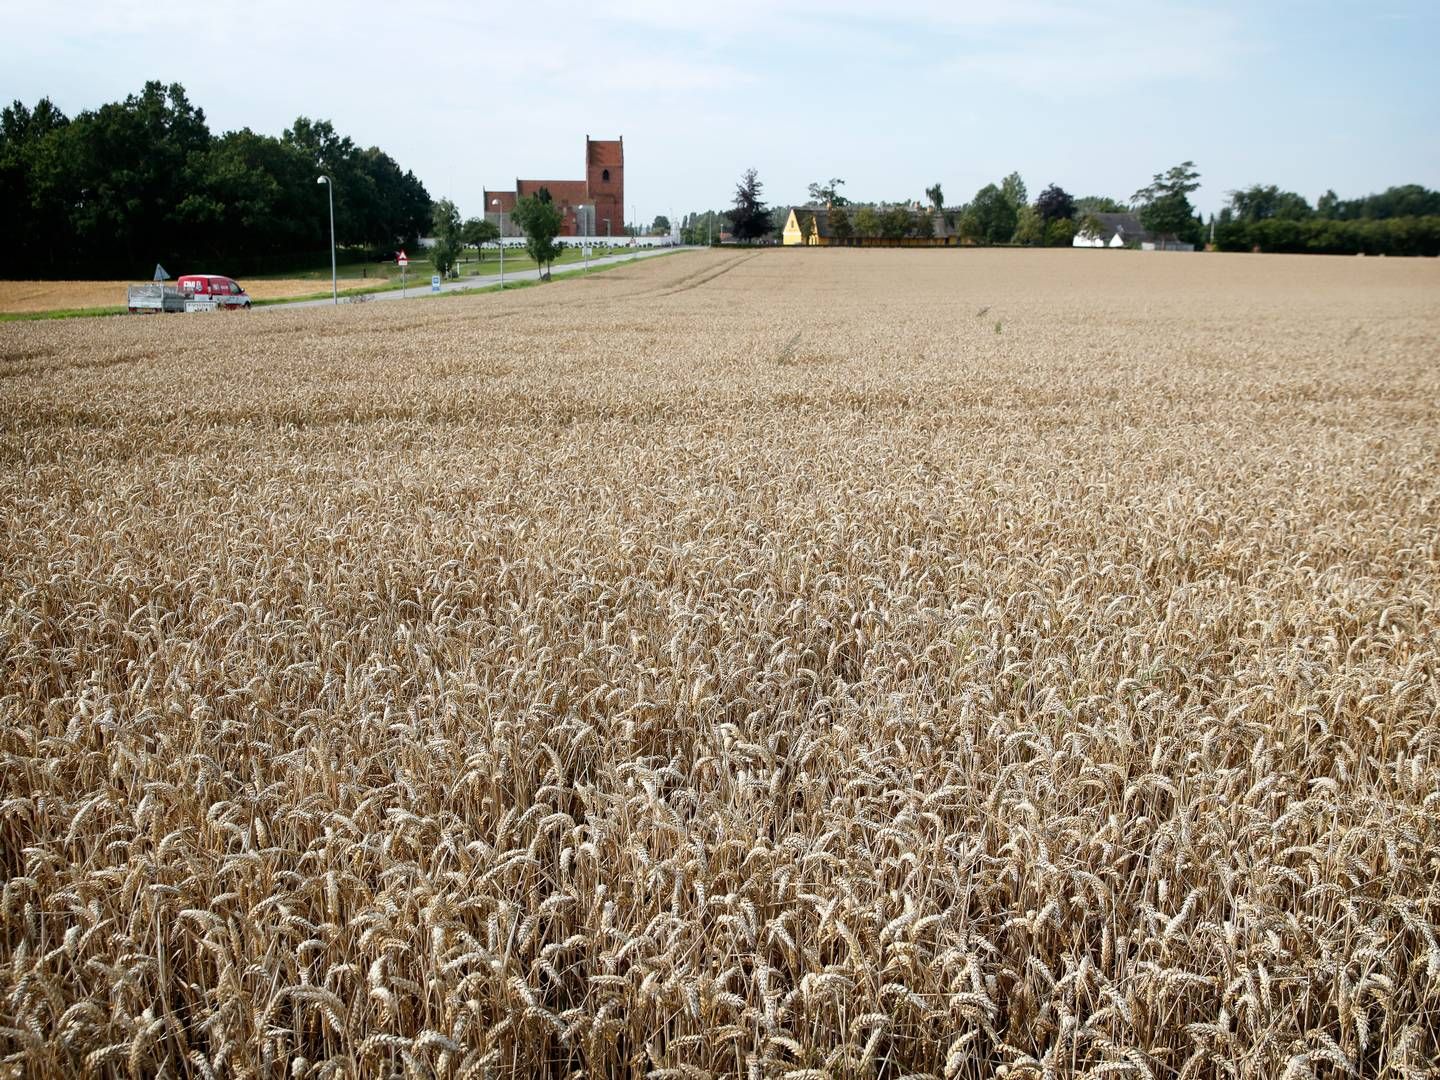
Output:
(421, 281)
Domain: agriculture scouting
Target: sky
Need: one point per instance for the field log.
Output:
(1096, 97)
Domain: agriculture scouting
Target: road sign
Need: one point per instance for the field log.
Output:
(402, 260)
(434, 282)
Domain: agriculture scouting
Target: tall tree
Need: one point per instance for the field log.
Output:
(750, 219)
(1099, 204)
(993, 215)
(1165, 203)
(1013, 188)
(936, 196)
(1260, 203)
(446, 230)
(133, 164)
(840, 223)
(143, 180)
(540, 221)
(828, 193)
(35, 188)
(660, 226)
(1029, 227)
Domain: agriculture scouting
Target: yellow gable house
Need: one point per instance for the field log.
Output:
(795, 227)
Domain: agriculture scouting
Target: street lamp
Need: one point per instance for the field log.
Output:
(330, 191)
(500, 241)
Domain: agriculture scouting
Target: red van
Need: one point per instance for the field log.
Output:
(225, 292)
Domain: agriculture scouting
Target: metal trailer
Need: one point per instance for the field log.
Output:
(155, 298)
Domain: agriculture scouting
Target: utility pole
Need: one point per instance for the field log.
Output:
(330, 191)
(501, 242)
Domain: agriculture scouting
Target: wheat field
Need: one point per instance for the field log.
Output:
(788, 664)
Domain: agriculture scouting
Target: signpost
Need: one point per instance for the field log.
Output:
(585, 251)
(434, 282)
(403, 261)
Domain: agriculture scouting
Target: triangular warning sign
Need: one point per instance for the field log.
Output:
(161, 274)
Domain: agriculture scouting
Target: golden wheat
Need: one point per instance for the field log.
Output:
(732, 665)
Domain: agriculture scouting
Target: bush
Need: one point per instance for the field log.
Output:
(1060, 233)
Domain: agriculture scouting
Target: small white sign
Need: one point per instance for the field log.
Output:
(402, 260)
(434, 282)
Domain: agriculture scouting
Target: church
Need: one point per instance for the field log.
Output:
(594, 206)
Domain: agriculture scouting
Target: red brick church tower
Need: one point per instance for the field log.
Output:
(605, 182)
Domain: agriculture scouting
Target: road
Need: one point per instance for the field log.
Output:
(421, 286)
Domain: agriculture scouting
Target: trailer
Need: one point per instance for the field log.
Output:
(155, 298)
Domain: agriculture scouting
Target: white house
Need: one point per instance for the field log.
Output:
(1118, 231)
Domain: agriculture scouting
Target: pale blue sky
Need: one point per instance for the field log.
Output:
(1095, 96)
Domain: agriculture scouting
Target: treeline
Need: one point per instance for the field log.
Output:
(1003, 213)
(1402, 220)
(114, 190)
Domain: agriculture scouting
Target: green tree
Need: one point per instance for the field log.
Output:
(1029, 227)
(1260, 203)
(867, 222)
(132, 166)
(896, 223)
(807, 227)
(828, 194)
(1013, 188)
(540, 220)
(660, 226)
(477, 232)
(143, 180)
(446, 229)
(936, 196)
(1165, 203)
(1099, 204)
(750, 220)
(36, 190)
(1060, 233)
(994, 215)
(840, 223)
(254, 196)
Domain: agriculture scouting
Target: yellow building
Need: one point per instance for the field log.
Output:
(794, 234)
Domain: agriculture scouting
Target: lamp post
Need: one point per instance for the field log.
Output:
(501, 242)
(635, 217)
(330, 191)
